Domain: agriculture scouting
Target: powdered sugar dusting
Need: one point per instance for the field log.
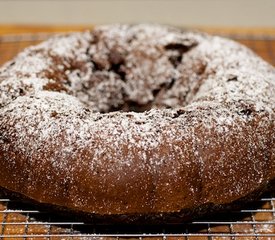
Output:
(55, 116)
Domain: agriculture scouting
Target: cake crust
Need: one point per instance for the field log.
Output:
(137, 120)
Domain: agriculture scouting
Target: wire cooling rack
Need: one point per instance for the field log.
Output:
(24, 221)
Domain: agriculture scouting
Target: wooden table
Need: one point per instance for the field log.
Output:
(19, 225)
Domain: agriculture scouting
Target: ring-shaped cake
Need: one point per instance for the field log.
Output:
(139, 121)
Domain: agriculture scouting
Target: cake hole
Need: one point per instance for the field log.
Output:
(232, 79)
(116, 60)
(178, 113)
(111, 74)
(246, 112)
(98, 66)
(12, 64)
(131, 106)
(21, 91)
(54, 114)
(178, 46)
(172, 83)
(117, 68)
(175, 60)
(155, 92)
(4, 139)
(177, 50)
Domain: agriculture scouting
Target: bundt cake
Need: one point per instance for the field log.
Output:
(137, 122)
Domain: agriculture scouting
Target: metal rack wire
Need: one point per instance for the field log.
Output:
(255, 222)
(19, 220)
